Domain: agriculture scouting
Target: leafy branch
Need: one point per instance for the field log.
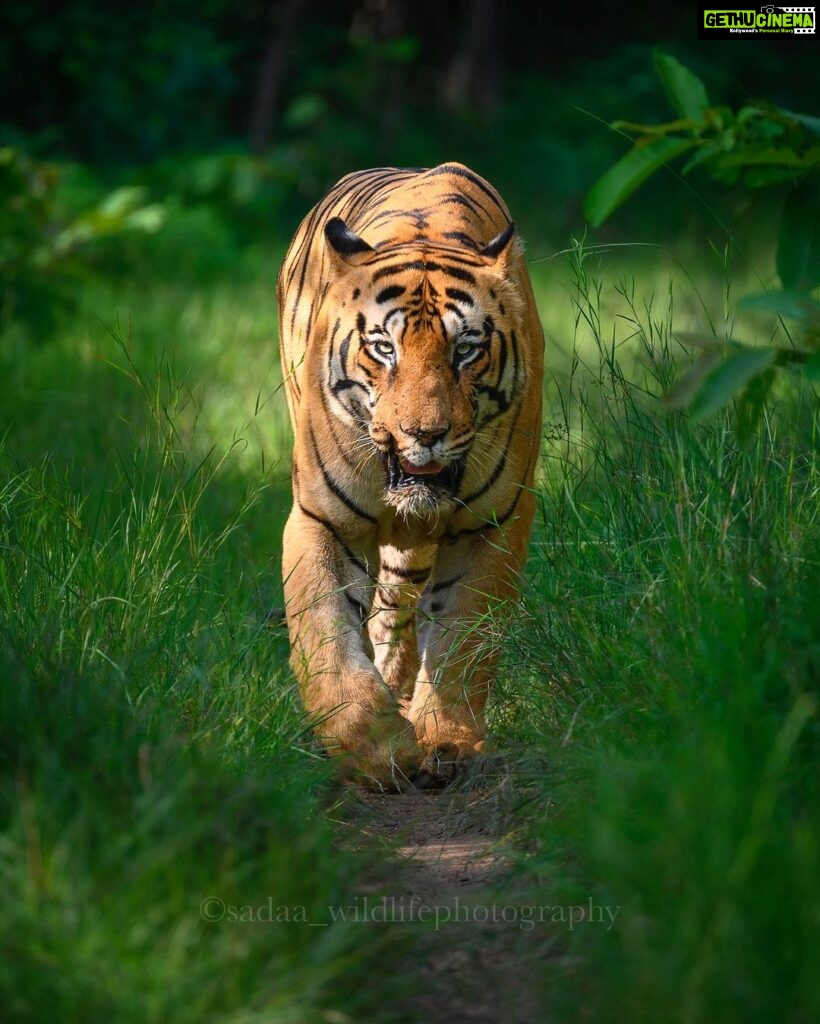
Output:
(758, 146)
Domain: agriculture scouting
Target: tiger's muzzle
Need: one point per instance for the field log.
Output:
(421, 490)
(433, 475)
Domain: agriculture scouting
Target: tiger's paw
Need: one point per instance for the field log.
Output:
(389, 762)
(445, 763)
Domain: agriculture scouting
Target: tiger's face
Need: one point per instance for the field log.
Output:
(423, 355)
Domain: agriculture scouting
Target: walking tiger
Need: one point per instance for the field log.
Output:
(412, 355)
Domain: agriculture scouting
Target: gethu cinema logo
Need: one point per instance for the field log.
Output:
(768, 17)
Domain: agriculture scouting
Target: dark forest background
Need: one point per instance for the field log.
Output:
(311, 90)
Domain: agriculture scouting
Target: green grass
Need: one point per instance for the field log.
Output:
(664, 688)
(659, 696)
(152, 749)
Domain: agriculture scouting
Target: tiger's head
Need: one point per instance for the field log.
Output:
(423, 354)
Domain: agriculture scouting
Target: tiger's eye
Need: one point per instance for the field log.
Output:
(464, 348)
(384, 348)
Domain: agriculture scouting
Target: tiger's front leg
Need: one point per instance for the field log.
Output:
(475, 583)
(328, 594)
(403, 574)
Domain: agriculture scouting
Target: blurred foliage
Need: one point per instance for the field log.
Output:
(129, 84)
(758, 146)
(43, 239)
(120, 83)
(160, 98)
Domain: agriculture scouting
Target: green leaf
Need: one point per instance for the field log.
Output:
(761, 123)
(149, 218)
(706, 151)
(798, 306)
(728, 378)
(748, 112)
(798, 243)
(708, 342)
(720, 119)
(689, 383)
(683, 124)
(620, 181)
(770, 156)
(685, 90)
(122, 201)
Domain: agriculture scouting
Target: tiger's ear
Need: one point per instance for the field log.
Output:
(499, 249)
(345, 242)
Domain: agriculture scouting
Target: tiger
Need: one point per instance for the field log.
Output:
(412, 360)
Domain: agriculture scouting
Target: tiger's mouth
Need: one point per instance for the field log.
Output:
(416, 488)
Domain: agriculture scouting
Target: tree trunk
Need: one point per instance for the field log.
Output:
(473, 76)
(272, 73)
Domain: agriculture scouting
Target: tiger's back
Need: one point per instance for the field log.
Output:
(412, 354)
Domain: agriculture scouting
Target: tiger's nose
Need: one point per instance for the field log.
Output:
(426, 435)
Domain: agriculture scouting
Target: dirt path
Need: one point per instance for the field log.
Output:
(439, 869)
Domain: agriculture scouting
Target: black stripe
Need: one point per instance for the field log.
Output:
(461, 236)
(394, 251)
(462, 172)
(369, 222)
(293, 256)
(462, 200)
(445, 584)
(357, 606)
(333, 334)
(502, 356)
(382, 180)
(451, 538)
(392, 291)
(332, 485)
(495, 395)
(399, 268)
(412, 575)
(457, 272)
(459, 296)
(368, 185)
(330, 529)
(499, 467)
(428, 267)
(344, 348)
(488, 483)
(346, 384)
(342, 449)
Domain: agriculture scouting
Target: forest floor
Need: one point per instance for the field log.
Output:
(442, 866)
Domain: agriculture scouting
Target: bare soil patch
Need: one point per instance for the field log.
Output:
(441, 867)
